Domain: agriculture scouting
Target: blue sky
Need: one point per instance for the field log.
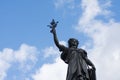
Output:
(27, 51)
(25, 21)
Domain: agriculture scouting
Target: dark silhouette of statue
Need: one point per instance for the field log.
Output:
(79, 66)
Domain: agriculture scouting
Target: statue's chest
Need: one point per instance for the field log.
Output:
(72, 53)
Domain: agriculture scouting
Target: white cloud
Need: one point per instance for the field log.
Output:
(105, 52)
(50, 52)
(25, 55)
(63, 43)
(91, 9)
(3, 66)
(105, 39)
(55, 71)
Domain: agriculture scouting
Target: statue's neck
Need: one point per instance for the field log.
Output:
(75, 47)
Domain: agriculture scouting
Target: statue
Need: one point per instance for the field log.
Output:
(79, 66)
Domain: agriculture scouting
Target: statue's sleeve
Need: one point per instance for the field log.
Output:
(64, 53)
(88, 61)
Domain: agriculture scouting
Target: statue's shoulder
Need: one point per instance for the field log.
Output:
(82, 51)
(63, 48)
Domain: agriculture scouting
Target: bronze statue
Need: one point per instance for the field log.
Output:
(76, 58)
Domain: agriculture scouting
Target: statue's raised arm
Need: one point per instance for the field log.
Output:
(53, 25)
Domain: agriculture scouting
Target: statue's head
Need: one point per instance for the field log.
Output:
(72, 42)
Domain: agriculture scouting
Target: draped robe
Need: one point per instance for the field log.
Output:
(77, 67)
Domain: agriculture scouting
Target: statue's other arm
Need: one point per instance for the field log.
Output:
(88, 61)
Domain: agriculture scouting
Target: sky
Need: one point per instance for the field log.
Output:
(27, 49)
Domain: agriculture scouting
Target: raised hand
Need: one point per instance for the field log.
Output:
(53, 25)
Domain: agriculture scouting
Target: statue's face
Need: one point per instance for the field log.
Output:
(73, 42)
